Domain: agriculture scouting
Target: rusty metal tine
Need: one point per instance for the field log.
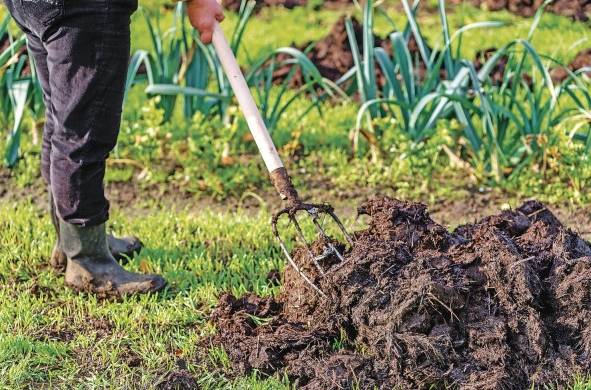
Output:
(341, 226)
(297, 269)
(336, 252)
(305, 242)
(289, 258)
(328, 243)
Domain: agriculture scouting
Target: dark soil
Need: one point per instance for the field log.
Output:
(234, 5)
(498, 304)
(576, 9)
(178, 380)
(582, 60)
(332, 54)
(333, 57)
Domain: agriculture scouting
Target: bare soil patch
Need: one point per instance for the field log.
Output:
(576, 9)
(178, 380)
(332, 54)
(497, 304)
(582, 60)
(234, 5)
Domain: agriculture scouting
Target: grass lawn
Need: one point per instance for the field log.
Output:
(51, 337)
(54, 338)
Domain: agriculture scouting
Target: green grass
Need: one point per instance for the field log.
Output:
(51, 336)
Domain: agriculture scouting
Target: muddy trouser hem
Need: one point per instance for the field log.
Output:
(81, 53)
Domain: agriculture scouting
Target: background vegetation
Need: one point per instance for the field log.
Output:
(528, 137)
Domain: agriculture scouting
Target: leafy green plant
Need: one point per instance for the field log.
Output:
(174, 66)
(506, 126)
(414, 91)
(274, 99)
(520, 114)
(180, 65)
(16, 88)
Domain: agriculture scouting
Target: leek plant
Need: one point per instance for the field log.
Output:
(187, 67)
(518, 116)
(178, 65)
(505, 126)
(16, 89)
(416, 99)
(275, 99)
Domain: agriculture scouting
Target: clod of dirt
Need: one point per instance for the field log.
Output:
(582, 60)
(331, 55)
(274, 277)
(178, 380)
(499, 304)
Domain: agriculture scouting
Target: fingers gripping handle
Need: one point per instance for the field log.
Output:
(247, 105)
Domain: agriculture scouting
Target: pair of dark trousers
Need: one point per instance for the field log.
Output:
(81, 53)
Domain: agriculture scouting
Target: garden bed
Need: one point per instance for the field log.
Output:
(581, 60)
(500, 303)
(575, 9)
(333, 57)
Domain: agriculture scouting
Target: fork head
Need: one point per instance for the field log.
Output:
(316, 212)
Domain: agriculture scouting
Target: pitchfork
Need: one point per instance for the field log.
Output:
(279, 176)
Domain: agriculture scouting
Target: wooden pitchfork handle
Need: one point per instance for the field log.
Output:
(279, 176)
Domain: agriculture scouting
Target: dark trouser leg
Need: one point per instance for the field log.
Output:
(92, 112)
(121, 248)
(87, 61)
(39, 55)
(82, 48)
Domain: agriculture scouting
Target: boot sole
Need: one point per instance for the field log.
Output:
(113, 293)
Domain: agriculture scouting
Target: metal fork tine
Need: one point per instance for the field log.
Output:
(290, 259)
(297, 269)
(327, 238)
(336, 252)
(305, 242)
(315, 211)
(341, 226)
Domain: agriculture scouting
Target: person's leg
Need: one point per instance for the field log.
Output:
(39, 54)
(87, 60)
(37, 51)
(87, 57)
(121, 248)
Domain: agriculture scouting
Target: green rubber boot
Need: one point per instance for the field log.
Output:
(122, 249)
(91, 267)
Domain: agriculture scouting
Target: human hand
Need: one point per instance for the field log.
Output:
(203, 15)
